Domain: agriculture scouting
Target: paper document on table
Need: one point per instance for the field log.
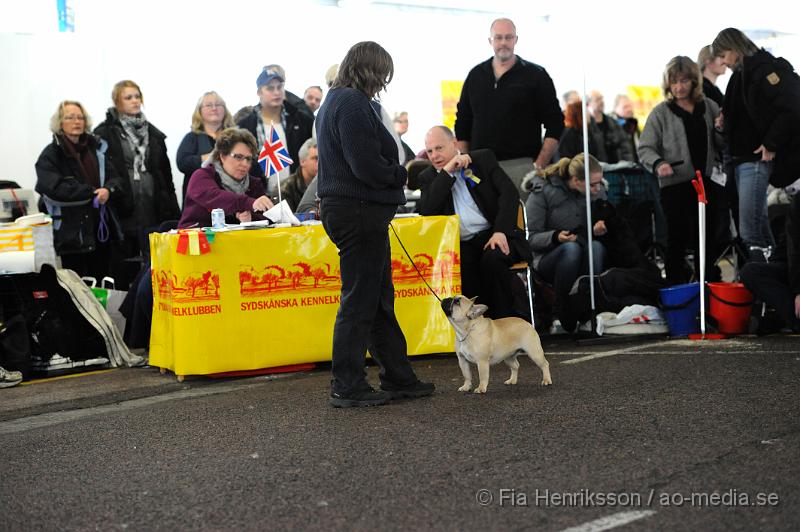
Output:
(282, 213)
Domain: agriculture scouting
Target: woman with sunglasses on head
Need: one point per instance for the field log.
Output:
(210, 117)
(139, 153)
(224, 183)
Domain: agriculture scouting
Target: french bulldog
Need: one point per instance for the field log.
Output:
(486, 342)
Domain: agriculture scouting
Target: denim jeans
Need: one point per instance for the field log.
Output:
(752, 179)
(365, 319)
(564, 264)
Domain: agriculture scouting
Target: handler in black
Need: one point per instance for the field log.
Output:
(360, 183)
(487, 202)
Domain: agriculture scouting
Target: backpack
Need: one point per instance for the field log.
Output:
(615, 289)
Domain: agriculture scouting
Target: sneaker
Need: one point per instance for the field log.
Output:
(412, 391)
(367, 397)
(9, 378)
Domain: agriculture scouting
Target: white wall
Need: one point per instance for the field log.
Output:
(178, 50)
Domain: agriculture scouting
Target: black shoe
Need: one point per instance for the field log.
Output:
(366, 397)
(412, 391)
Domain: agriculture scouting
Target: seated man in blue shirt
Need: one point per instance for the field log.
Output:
(487, 202)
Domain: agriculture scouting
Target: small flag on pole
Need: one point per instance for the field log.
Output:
(273, 157)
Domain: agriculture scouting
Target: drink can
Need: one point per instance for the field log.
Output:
(218, 219)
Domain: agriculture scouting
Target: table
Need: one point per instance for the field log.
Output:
(267, 298)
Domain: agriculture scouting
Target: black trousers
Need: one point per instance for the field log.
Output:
(680, 207)
(769, 283)
(365, 319)
(484, 273)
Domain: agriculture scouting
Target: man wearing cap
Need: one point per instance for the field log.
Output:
(293, 126)
(504, 103)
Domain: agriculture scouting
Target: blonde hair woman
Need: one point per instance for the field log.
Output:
(210, 117)
(556, 209)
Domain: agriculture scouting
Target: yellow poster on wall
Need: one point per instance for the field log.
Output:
(451, 93)
(644, 98)
(267, 298)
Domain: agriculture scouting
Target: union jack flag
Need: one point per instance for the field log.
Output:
(274, 154)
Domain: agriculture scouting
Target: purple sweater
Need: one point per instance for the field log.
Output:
(205, 193)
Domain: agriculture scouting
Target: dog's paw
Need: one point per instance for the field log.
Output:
(510, 381)
(546, 381)
(479, 390)
(466, 387)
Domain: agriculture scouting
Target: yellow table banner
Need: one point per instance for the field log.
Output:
(267, 298)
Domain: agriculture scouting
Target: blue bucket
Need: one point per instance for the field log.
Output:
(681, 304)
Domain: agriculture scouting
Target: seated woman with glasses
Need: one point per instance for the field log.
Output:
(79, 188)
(556, 209)
(224, 183)
(210, 116)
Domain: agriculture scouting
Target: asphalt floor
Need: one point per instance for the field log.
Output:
(642, 435)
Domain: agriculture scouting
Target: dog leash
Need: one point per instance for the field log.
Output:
(469, 331)
(413, 263)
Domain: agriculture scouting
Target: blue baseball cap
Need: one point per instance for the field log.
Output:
(266, 76)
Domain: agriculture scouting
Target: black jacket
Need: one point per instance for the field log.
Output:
(59, 180)
(298, 130)
(189, 157)
(768, 89)
(496, 197)
(506, 116)
(157, 164)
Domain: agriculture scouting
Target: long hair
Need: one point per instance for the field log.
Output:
(573, 115)
(735, 40)
(566, 168)
(116, 92)
(367, 67)
(197, 117)
(681, 65)
(58, 117)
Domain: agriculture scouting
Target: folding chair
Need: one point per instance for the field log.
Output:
(522, 223)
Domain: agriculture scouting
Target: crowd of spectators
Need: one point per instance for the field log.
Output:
(512, 148)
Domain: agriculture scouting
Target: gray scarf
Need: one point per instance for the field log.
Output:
(138, 136)
(230, 184)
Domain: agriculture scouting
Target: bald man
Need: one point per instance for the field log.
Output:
(474, 186)
(504, 103)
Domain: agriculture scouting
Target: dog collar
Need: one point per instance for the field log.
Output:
(469, 331)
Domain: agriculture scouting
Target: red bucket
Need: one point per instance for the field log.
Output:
(730, 307)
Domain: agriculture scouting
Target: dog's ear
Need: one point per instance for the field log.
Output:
(476, 311)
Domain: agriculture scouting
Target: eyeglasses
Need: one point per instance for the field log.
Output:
(596, 184)
(75, 117)
(213, 105)
(239, 157)
(501, 38)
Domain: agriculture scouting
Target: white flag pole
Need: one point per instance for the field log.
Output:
(278, 173)
(588, 185)
(701, 248)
